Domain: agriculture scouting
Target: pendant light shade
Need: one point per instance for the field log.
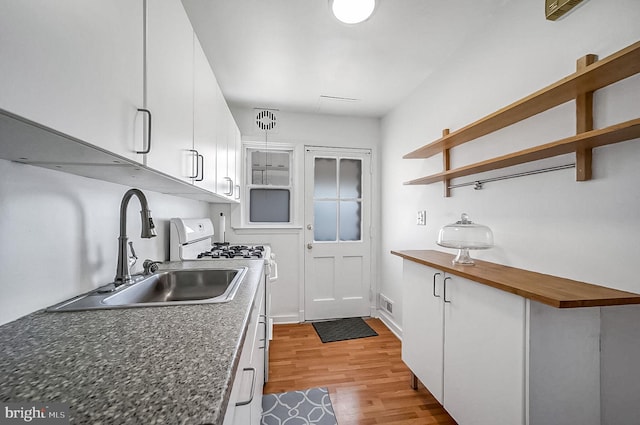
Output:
(352, 11)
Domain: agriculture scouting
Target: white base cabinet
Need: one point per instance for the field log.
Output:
(492, 357)
(465, 342)
(245, 403)
(484, 346)
(423, 326)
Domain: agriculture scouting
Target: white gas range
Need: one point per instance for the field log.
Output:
(191, 239)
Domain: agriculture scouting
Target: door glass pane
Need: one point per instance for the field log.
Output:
(325, 185)
(325, 220)
(350, 178)
(350, 220)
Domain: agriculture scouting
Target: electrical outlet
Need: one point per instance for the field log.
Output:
(422, 218)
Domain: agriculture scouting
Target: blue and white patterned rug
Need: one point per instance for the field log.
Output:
(308, 407)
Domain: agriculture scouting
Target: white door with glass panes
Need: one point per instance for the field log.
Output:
(337, 233)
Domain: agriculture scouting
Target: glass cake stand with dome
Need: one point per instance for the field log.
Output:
(464, 235)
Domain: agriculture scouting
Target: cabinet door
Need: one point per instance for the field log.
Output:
(258, 355)
(228, 153)
(75, 66)
(204, 119)
(484, 354)
(170, 88)
(243, 412)
(224, 179)
(422, 325)
(231, 151)
(237, 138)
(245, 403)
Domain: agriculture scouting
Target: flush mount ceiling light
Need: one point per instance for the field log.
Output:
(352, 11)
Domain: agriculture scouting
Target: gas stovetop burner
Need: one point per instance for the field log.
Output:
(224, 250)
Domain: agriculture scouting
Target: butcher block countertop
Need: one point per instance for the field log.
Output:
(551, 290)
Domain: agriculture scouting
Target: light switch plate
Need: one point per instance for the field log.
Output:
(422, 218)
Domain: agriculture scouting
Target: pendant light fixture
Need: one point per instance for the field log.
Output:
(352, 11)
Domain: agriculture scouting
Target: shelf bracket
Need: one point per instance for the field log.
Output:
(446, 165)
(584, 123)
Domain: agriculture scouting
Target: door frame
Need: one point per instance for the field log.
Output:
(373, 193)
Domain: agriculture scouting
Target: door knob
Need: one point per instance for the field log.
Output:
(309, 245)
(309, 227)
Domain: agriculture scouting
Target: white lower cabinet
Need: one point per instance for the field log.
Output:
(423, 325)
(492, 357)
(245, 403)
(483, 353)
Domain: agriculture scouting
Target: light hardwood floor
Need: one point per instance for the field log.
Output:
(368, 382)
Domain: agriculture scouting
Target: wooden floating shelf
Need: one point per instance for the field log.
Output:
(606, 136)
(616, 67)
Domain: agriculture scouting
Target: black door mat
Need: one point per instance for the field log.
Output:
(343, 329)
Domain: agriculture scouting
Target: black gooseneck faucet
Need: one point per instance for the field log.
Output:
(148, 231)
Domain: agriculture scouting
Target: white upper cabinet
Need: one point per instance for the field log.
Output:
(169, 82)
(233, 154)
(75, 66)
(238, 154)
(228, 150)
(125, 78)
(223, 180)
(205, 121)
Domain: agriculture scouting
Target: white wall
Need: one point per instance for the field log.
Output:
(59, 234)
(288, 244)
(548, 223)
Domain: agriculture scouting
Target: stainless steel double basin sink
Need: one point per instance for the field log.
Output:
(170, 287)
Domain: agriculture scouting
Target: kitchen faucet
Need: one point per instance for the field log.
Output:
(148, 231)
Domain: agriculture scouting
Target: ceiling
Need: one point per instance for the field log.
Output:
(293, 55)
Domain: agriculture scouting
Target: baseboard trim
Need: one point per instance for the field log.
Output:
(286, 319)
(389, 323)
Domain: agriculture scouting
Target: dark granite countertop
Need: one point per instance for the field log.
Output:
(153, 365)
